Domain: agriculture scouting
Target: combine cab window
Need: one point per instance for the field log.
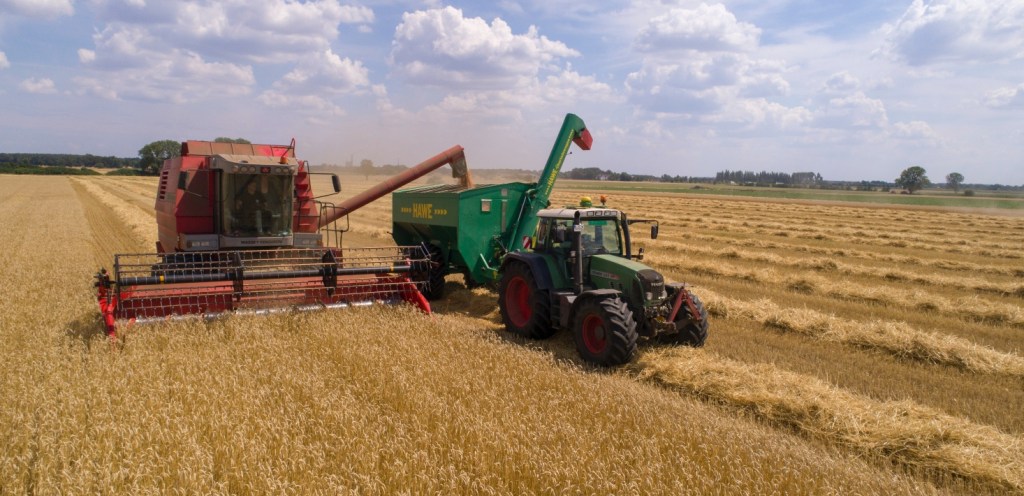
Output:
(257, 204)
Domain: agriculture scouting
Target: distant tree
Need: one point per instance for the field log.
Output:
(954, 180)
(366, 165)
(242, 141)
(913, 179)
(152, 156)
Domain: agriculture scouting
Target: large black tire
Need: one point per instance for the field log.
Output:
(604, 331)
(693, 329)
(436, 273)
(525, 309)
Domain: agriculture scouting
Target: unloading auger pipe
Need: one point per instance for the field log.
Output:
(573, 130)
(455, 156)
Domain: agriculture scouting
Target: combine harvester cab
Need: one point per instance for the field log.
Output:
(240, 231)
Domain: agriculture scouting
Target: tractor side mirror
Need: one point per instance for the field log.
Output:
(336, 182)
(560, 234)
(654, 232)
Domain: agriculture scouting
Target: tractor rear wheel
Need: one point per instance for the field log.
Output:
(693, 329)
(435, 275)
(604, 331)
(525, 309)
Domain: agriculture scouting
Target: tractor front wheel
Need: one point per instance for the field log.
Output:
(525, 309)
(604, 331)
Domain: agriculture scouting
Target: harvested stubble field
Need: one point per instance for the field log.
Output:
(852, 351)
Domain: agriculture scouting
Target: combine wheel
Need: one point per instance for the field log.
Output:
(693, 329)
(435, 276)
(604, 331)
(525, 309)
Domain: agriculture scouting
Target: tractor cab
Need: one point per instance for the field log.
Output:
(604, 231)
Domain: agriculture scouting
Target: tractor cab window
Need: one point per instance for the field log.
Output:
(553, 228)
(257, 204)
(601, 236)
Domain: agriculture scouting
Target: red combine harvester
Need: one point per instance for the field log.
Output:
(240, 230)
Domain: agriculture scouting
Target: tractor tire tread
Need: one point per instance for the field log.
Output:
(539, 325)
(620, 324)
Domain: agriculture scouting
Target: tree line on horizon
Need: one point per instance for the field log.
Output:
(152, 155)
(65, 160)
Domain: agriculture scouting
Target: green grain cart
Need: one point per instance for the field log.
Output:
(563, 268)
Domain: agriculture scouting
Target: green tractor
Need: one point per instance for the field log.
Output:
(582, 275)
(555, 268)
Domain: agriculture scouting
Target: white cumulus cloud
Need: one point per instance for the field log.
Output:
(705, 28)
(4, 64)
(753, 113)
(130, 64)
(442, 47)
(702, 83)
(857, 111)
(316, 81)
(234, 31)
(957, 31)
(530, 94)
(195, 49)
(1007, 97)
(841, 83)
(40, 9)
(356, 14)
(700, 65)
(86, 56)
(41, 86)
(914, 130)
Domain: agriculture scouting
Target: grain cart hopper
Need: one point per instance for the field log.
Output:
(240, 230)
(575, 270)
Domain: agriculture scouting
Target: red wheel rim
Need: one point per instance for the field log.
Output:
(593, 334)
(517, 301)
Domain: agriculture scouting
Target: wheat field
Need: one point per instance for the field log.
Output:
(853, 350)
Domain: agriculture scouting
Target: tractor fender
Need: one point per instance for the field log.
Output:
(569, 310)
(538, 267)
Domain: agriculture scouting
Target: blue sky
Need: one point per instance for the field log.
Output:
(852, 90)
